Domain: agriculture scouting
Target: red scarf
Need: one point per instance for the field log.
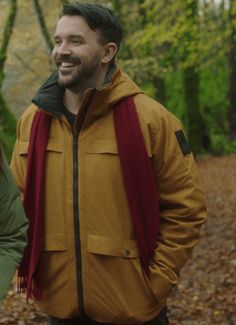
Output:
(139, 182)
(33, 201)
(139, 179)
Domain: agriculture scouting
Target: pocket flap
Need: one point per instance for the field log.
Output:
(55, 242)
(54, 145)
(101, 146)
(111, 246)
(107, 146)
(23, 147)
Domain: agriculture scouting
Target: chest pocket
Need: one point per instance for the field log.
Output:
(102, 162)
(102, 159)
(105, 146)
(23, 148)
(54, 157)
(52, 146)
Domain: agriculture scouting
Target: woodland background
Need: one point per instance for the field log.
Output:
(183, 54)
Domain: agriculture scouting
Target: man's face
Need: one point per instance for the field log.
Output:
(77, 53)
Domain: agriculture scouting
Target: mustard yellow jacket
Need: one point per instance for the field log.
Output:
(90, 256)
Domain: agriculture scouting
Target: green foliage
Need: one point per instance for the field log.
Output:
(149, 89)
(175, 95)
(177, 52)
(7, 128)
(214, 96)
(222, 144)
(185, 44)
(7, 120)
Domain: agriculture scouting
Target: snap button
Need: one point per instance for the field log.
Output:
(127, 252)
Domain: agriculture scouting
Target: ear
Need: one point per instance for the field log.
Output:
(110, 51)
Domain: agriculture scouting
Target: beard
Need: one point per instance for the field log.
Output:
(81, 76)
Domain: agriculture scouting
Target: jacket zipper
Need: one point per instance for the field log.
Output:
(77, 225)
(76, 207)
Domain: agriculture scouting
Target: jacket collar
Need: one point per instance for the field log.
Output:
(117, 86)
(49, 97)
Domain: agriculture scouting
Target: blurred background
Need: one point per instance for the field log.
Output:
(183, 54)
(180, 52)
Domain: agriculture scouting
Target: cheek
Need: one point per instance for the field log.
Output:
(54, 51)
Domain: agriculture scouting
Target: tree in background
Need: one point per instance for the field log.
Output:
(7, 119)
(42, 24)
(170, 37)
(197, 131)
(157, 80)
(214, 48)
(232, 66)
(177, 52)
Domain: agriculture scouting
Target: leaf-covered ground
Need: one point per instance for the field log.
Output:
(206, 294)
(207, 291)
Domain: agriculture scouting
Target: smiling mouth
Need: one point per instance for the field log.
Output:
(66, 64)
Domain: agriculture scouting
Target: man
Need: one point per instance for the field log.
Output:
(90, 265)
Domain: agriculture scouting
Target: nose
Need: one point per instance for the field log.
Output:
(62, 49)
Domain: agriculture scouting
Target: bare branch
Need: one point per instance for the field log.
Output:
(42, 25)
(10, 21)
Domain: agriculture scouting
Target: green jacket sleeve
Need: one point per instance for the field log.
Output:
(13, 227)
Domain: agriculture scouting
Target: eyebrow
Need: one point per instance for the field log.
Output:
(70, 36)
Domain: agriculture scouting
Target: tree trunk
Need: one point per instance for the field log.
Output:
(158, 82)
(197, 132)
(10, 21)
(160, 90)
(232, 65)
(117, 6)
(7, 119)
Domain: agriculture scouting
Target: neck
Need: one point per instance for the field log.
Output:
(72, 101)
(73, 96)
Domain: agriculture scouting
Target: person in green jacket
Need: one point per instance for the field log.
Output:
(13, 227)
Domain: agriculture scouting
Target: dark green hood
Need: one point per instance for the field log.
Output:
(50, 96)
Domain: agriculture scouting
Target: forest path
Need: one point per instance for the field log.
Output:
(206, 294)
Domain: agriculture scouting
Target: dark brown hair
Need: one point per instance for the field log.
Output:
(98, 18)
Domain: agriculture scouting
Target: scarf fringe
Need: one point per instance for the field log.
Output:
(21, 284)
(31, 289)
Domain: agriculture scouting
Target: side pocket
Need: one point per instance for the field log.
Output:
(56, 270)
(115, 281)
(103, 245)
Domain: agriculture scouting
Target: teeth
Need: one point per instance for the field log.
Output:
(67, 64)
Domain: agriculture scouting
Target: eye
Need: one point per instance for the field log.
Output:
(57, 41)
(77, 40)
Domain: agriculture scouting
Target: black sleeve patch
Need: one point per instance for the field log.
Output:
(183, 143)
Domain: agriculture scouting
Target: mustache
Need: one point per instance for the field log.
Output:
(67, 58)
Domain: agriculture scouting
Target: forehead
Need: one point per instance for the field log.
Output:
(74, 25)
